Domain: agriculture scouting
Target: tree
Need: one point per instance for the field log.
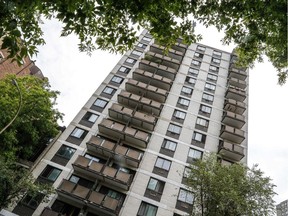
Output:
(229, 190)
(36, 122)
(257, 27)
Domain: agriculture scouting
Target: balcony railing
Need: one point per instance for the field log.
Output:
(135, 118)
(232, 134)
(142, 103)
(123, 132)
(171, 52)
(237, 73)
(162, 60)
(148, 91)
(237, 83)
(97, 201)
(161, 70)
(234, 106)
(231, 151)
(233, 119)
(235, 94)
(49, 212)
(117, 152)
(153, 79)
(102, 172)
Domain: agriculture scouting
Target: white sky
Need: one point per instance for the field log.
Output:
(77, 76)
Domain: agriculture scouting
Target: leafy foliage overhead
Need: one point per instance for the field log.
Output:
(258, 27)
(230, 190)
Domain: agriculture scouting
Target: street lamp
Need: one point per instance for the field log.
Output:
(14, 82)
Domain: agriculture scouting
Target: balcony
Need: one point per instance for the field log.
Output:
(231, 151)
(102, 172)
(237, 83)
(135, 118)
(237, 73)
(117, 152)
(233, 119)
(142, 103)
(171, 52)
(146, 90)
(234, 106)
(153, 79)
(235, 94)
(97, 201)
(123, 132)
(49, 212)
(232, 134)
(162, 60)
(161, 70)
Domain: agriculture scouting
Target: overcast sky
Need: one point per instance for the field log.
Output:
(77, 76)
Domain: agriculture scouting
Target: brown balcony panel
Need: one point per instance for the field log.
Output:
(96, 198)
(162, 59)
(161, 70)
(238, 83)
(237, 73)
(49, 212)
(142, 103)
(153, 79)
(233, 119)
(148, 91)
(234, 106)
(108, 128)
(110, 203)
(171, 52)
(232, 134)
(235, 94)
(231, 151)
(104, 204)
(101, 146)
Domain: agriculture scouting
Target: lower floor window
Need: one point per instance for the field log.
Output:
(147, 210)
(185, 196)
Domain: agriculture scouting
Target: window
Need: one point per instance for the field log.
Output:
(91, 117)
(186, 175)
(100, 103)
(198, 55)
(187, 90)
(147, 39)
(190, 80)
(78, 133)
(193, 71)
(124, 70)
(64, 209)
(32, 200)
(179, 114)
(213, 69)
(198, 137)
(183, 101)
(174, 129)
(168, 144)
(202, 122)
(216, 60)
(143, 46)
(117, 79)
(49, 174)
(196, 63)
(185, 196)
(201, 48)
(194, 155)
(205, 109)
(163, 164)
(147, 210)
(81, 181)
(154, 189)
(130, 60)
(207, 97)
(212, 77)
(136, 52)
(66, 152)
(210, 87)
(109, 90)
(217, 53)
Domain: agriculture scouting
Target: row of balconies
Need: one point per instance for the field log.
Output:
(102, 172)
(231, 151)
(135, 118)
(122, 154)
(121, 131)
(237, 73)
(171, 52)
(163, 60)
(75, 193)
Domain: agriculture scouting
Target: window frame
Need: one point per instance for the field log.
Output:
(194, 155)
(126, 71)
(183, 99)
(77, 130)
(144, 209)
(214, 79)
(187, 90)
(193, 71)
(186, 193)
(109, 90)
(201, 48)
(130, 60)
(207, 98)
(196, 63)
(216, 60)
(51, 174)
(101, 101)
(196, 138)
(174, 129)
(115, 79)
(210, 87)
(66, 156)
(164, 164)
(213, 68)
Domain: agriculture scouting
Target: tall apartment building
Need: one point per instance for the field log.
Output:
(128, 150)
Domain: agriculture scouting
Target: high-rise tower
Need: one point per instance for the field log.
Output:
(128, 150)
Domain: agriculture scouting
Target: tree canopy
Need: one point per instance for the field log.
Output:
(230, 190)
(258, 27)
(36, 122)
